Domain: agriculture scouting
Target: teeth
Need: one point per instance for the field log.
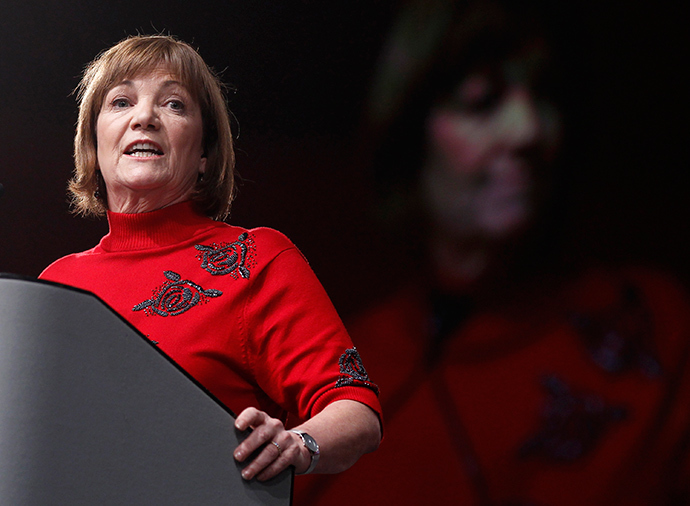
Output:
(144, 145)
(143, 149)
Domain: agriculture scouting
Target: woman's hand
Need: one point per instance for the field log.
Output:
(281, 448)
(344, 430)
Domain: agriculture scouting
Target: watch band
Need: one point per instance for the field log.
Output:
(312, 446)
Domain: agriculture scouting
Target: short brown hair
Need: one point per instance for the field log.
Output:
(129, 58)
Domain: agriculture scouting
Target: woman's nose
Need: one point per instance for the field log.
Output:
(521, 124)
(144, 116)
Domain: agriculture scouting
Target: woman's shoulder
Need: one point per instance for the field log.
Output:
(260, 245)
(640, 307)
(265, 237)
(602, 283)
(65, 265)
(271, 236)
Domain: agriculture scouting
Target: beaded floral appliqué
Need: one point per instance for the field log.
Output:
(233, 258)
(352, 371)
(620, 338)
(572, 424)
(176, 296)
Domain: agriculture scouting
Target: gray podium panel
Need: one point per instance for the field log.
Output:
(91, 413)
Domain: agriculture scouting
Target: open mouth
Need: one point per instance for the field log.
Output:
(143, 149)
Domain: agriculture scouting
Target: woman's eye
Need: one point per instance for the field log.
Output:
(120, 103)
(176, 105)
(483, 103)
(478, 94)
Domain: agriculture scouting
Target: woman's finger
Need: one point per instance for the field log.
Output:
(264, 429)
(276, 455)
(288, 457)
(250, 417)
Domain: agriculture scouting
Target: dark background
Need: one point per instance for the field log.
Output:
(301, 70)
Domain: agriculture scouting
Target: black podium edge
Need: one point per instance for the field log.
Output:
(29, 279)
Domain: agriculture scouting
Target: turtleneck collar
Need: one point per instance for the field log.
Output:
(156, 229)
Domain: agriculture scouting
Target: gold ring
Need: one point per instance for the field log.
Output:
(280, 450)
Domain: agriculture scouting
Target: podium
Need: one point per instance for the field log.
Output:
(92, 413)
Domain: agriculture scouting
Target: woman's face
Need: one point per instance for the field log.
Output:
(490, 145)
(149, 135)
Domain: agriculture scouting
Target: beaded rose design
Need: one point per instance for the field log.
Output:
(233, 258)
(175, 296)
(352, 371)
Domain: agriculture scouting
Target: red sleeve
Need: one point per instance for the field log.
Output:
(669, 303)
(297, 346)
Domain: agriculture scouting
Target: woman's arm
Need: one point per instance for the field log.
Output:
(345, 430)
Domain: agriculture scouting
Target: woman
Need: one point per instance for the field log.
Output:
(539, 383)
(238, 309)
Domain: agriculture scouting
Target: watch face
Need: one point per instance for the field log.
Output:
(310, 443)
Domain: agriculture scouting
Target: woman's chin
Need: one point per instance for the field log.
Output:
(511, 221)
(144, 198)
(142, 183)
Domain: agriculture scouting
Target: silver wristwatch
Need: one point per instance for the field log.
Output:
(311, 445)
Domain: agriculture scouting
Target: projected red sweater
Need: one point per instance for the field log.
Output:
(576, 394)
(240, 310)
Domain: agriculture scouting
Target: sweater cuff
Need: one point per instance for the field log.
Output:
(352, 393)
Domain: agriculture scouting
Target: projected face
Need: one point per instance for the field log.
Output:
(490, 146)
(149, 142)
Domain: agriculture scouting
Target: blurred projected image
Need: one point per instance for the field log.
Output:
(509, 373)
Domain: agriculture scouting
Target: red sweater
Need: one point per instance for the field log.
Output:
(574, 395)
(240, 310)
